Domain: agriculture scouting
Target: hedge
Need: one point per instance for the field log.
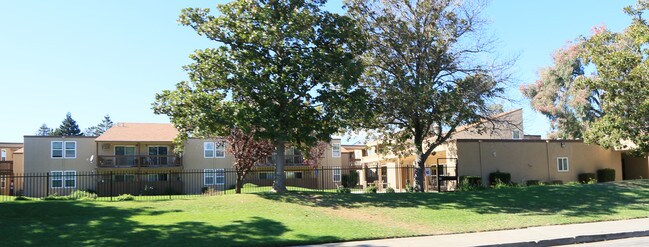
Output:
(504, 177)
(605, 175)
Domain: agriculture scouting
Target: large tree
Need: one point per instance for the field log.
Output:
(69, 127)
(285, 68)
(426, 71)
(609, 106)
(100, 128)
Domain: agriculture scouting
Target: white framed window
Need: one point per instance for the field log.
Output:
(336, 174)
(516, 134)
(208, 150)
(562, 164)
(63, 179)
(335, 150)
(219, 151)
(214, 176)
(63, 149)
(3, 155)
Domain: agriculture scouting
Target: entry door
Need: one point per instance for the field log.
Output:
(159, 154)
(125, 155)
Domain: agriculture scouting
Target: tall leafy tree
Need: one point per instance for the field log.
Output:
(68, 127)
(425, 71)
(100, 128)
(43, 130)
(285, 68)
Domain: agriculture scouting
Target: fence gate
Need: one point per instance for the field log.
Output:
(446, 174)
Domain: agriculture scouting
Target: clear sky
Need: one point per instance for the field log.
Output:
(93, 58)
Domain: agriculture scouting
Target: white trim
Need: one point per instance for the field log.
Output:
(219, 146)
(209, 173)
(63, 179)
(559, 165)
(519, 134)
(74, 178)
(65, 149)
(335, 170)
(52, 150)
(3, 155)
(333, 150)
(219, 173)
(205, 150)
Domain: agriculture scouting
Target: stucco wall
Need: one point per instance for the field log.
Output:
(533, 160)
(635, 167)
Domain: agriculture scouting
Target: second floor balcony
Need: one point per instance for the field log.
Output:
(6, 166)
(125, 161)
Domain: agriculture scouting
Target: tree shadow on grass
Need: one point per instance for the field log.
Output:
(569, 200)
(73, 223)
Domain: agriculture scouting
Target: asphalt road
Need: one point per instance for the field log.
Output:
(627, 242)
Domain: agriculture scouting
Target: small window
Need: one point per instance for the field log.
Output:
(335, 150)
(266, 175)
(516, 134)
(562, 164)
(70, 179)
(3, 155)
(219, 176)
(208, 176)
(63, 179)
(220, 150)
(71, 150)
(57, 179)
(208, 150)
(296, 175)
(56, 149)
(336, 173)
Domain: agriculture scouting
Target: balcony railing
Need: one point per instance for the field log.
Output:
(139, 161)
(6, 166)
(289, 160)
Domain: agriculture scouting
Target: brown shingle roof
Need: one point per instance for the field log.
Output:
(139, 132)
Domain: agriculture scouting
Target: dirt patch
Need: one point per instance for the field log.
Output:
(376, 219)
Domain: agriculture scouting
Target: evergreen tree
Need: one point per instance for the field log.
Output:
(68, 127)
(43, 130)
(100, 128)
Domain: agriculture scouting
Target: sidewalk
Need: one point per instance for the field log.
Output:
(533, 236)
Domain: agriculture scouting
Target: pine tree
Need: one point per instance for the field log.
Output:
(43, 130)
(68, 127)
(102, 127)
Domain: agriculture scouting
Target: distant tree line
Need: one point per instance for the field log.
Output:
(69, 127)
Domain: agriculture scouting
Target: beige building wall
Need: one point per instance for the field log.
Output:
(533, 159)
(635, 167)
(38, 159)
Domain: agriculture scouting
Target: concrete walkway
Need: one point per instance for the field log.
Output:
(533, 236)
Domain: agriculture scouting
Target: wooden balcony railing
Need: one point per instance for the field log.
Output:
(6, 166)
(107, 161)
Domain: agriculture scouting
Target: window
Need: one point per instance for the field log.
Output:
(214, 176)
(266, 175)
(297, 175)
(3, 181)
(61, 149)
(63, 179)
(516, 134)
(562, 164)
(155, 177)
(158, 154)
(336, 172)
(3, 155)
(123, 178)
(335, 150)
(214, 149)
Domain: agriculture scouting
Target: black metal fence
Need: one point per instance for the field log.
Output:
(157, 184)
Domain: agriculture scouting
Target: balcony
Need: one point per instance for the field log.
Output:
(6, 166)
(289, 160)
(126, 161)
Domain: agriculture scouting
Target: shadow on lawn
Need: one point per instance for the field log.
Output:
(74, 223)
(569, 200)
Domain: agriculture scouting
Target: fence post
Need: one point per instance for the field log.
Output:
(47, 182)
(169, 184)
(111, 185)
(321, 178)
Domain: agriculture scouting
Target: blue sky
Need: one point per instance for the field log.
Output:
(93, 58)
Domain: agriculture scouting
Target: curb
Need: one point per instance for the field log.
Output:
(575, 240)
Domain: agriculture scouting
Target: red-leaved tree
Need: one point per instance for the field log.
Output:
(247, 152)
(315, 154)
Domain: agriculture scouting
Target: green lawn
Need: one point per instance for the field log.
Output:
(312, 217)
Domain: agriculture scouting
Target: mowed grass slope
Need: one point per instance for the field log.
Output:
(311, 217)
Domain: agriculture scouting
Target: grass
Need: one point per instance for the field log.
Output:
(312, 217)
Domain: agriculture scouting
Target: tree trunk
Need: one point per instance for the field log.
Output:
(278, 185)
(239, 184)
(419, 172)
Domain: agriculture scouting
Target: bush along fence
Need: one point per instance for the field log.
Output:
(168, 184)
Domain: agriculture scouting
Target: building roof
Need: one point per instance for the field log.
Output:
(19, 151)
(139, 132)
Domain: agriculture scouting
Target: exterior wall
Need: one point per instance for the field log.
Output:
(533, 159)
(37, 159)
(635, 167)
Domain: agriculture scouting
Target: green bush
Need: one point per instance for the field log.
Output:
(556, 182)
(350, 180)
(532, 182)
(605, 175)
(55, 197)
(343, 190)
(500, 185)
(22, 198)
(470, 183)
(503, 177)
(82, 195)
(370, 189)
(586, 178)
(409, 187)
(125, 197)
(390, 190)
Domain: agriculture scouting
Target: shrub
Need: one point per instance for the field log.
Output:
(556, 182)
(500, 185)
(532, 182)
(209, 191)
(390, 190)
(503, 177)
(350, 180)
(21, 198)
(343, 190)
(585, 178)
(82, 195)
(470, 183)
(55, 197)
(605, 175)
(125, 197)
(409, 187)
(370, 189)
